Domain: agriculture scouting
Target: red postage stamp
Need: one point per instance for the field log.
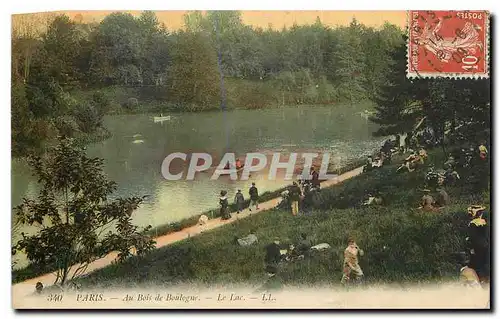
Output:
(448, 44)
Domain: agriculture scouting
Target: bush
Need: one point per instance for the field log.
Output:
(131, 104)
(101, 102)
(88, 118)
(66, 126)
(252, 95)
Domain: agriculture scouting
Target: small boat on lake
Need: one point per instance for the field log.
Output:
(237, 170)
(366, 114)
(157, 119)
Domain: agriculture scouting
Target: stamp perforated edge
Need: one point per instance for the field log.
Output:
(433, 75)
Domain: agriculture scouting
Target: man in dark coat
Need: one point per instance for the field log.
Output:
(254, 197)
(239, 200)
(273, 253)
(224, 209)
(478, 241)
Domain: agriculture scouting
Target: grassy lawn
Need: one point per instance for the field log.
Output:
(419, 245)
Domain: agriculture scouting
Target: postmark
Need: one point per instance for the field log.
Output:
(452, 44)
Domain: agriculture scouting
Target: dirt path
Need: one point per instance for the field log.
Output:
(27, 287)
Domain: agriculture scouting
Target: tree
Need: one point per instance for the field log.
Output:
(117, 50)
(350, 57)
(77, 223)
(377, 44)
(27, 132)
(88, 118)
(61, 48)
(26, 35)
(396, 105)
(193, 75)
(154, 52)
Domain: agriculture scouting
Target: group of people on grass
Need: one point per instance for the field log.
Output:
(304, 248)
(474, 263)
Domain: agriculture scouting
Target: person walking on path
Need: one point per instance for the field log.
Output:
(224, 212)
(295, 197)
(239, 200)
(254, 197)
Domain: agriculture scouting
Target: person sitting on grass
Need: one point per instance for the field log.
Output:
(202, 222)
(378, 162)
(410, 163)
(468, 276)
(273, 253)
(422, 154)
(373, 199)
(304, 245)
(248, 240)
(428, 202)
(442, 198)
(483, 151)
(39, 287)
(450, 162)
(369, 164)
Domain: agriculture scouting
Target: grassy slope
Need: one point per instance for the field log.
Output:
(419, 244)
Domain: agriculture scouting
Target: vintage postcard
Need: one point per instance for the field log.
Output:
(251, 160)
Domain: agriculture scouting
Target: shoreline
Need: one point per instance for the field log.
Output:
(173, 237)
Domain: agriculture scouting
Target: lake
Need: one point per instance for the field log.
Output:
(134, 154)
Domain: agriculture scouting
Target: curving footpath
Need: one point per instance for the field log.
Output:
(27, 287)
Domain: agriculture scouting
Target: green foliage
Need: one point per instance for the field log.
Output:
(178, 71)
(61, 50)
(397, 107)
(77, 223)
(457, 110)
(27, 133)
(194, 75)
(88, 117)
(66, 126)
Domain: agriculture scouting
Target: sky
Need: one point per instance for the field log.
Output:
(278, 19)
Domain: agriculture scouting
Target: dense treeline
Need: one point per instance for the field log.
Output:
(181, 70)
(455, 112)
